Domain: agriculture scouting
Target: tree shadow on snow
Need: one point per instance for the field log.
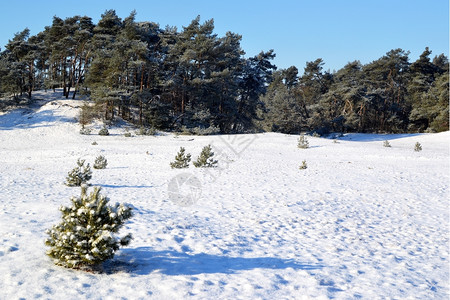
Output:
(143, 261)
(372, 137)
(125, 186)
(27, 118)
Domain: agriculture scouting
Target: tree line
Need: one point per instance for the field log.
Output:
(197, 81)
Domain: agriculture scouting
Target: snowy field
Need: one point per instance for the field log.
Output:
(362, 221)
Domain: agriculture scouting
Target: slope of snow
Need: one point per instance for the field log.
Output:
(362, 221)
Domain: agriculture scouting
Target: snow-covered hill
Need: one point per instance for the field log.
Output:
(362, 221)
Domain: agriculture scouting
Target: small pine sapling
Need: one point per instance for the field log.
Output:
(386, 144)
(79, 175)
(303, 142)
(85, 131)
(303, 166)
(94, 143)
(103, 131)
(181, 160)
(418, 147)
(206, 160)
(100, 162)
(86, 235)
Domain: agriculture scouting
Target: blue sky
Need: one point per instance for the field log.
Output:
(338, 31)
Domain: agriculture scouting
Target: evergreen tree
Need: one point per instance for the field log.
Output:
(181, 160)
(283, 107)
(302, 142)
(303, 166)
(100, 162)
(206, 160)
(417, 147)
(86, 236)
(104, 131)
(385, 107)
(79, 175)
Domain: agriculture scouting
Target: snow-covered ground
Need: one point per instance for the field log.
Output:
(362, 221)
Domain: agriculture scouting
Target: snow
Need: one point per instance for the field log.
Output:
(362, 221)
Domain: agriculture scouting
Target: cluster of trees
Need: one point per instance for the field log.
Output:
(387, 95)
(194, 79)
(145, 74)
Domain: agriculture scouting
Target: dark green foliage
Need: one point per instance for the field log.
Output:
(79, 175)
(206, 160)
(146, 131)
(417, 147)
(87, 114)
(386, 95)
(303, 166)
(85, 131)
(181, 160)
(86, 236)
(103, 131)
(100, 162)
(198, 81)
(303, 142)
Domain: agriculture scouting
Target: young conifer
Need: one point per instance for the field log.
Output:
(303, 142)
(103, 131)
(417, 147)
(79, 175)
(205, 160)
(303, 166)
(181, 160)
(86, 236)
(100, 162)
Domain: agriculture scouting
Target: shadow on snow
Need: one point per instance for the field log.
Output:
(374, 137)
(27, 118)
(143, 261)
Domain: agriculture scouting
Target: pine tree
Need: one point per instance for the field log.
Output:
(86, 236)
(205, 160)
(79, 175)
(303, 142)
(181, 160)
(103, 131)
(303, 166)
(100, 162)
(417, 147)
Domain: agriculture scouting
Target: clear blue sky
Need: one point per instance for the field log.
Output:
(338, 31)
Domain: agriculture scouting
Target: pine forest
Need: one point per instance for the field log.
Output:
(194, 80)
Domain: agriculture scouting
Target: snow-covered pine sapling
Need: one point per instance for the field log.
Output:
(103, 131)
(181, 160)
(79, 175)
(303, 165)
(418, 147)
(84, 130)
(303, 142)
(206, 160)
(386, 144)
(86, 236)
(100, 162)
